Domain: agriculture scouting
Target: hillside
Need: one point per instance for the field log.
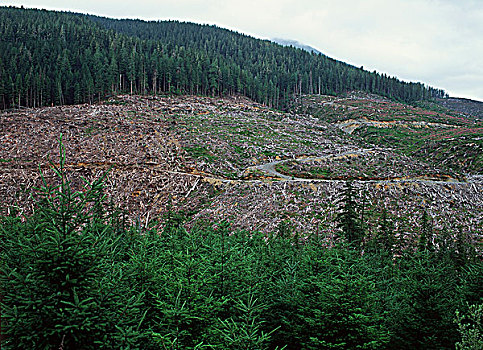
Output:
(440, 137)
(204, 157)
(168, 185)
(57, 58)
(463, 105)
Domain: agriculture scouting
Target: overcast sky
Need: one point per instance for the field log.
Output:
(438, 42)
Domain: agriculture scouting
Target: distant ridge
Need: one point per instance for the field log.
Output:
(296, 44)
(463, 105)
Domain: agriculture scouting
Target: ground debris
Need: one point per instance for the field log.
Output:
(207, 157)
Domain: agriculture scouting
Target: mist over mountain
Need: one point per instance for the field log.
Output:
(295, 43)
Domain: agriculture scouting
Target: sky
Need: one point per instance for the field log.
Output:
(437, 42)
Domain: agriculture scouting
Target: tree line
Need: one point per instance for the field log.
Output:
(49, 57)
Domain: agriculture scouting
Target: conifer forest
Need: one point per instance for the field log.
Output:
(63, 58)
(171, 185)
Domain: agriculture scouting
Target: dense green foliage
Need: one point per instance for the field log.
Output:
(349, 220)
(470, 328)
(74, 276)
(63, 58)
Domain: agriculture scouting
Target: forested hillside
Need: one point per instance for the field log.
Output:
(65, 58)
(172, 220)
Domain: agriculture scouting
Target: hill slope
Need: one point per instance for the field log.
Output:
(61, 58)
(204, 157)
(463, 105)
(440, 136)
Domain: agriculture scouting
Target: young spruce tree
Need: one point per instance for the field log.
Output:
(348, 218)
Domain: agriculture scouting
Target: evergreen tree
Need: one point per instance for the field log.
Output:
(470, 328)
(426, 233)
(348, 218)
(386, 233)
(58, 284)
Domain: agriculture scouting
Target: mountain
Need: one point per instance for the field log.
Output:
(320, 139)
(173, 211)
(49, 57)
(462, 105)
(297, 44)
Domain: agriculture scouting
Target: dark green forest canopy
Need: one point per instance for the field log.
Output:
(51, 57)
(74, 275)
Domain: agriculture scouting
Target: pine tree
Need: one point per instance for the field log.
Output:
(426, 233)
(348, 218)
(386, 233)
(60, 288)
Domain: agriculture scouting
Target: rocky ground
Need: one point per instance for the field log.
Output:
(261, 169)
